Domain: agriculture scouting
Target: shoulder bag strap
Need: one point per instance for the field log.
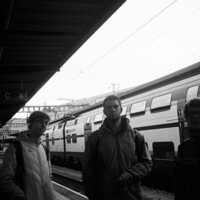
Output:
(20, 164)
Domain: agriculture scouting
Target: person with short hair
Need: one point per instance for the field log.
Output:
(187, 171)
(116, 158)
(25, 173)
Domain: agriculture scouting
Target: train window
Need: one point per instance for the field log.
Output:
(68, 122)
(81, 120)
(98, 118)
(68, 139)
(192, 93)
(124, 108)
(62, 108)
(161, 102)
(88, 120)
(60, 126)
(71, 122)
(48, 128)
(74, 138)
(138, 108)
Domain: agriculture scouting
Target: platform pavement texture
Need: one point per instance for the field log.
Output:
(68, 193)
(60, 197)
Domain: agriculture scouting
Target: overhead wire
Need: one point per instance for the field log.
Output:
(122, 41)
(166, 31)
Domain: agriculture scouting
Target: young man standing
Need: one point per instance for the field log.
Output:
(187, 173)
(116, 158)
(27, 178)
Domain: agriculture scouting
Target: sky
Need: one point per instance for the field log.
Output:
(142, 41)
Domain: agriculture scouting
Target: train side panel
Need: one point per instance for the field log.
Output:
(75, 138)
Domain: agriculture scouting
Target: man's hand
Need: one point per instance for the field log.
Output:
(125, 177)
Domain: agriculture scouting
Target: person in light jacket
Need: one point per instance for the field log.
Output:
(25, 173)
(116, 158)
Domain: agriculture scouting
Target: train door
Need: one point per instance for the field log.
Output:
(192, 92)
(47, 141)
(87, 130)
(64, 140)
(97, 121)
(2, 143)
(182, 121)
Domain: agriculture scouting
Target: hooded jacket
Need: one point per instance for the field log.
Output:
(107, 156)
(36, 179)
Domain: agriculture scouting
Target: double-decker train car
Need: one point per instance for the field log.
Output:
(155, 109)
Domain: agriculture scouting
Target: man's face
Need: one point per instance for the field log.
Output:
(38, 127)
(112, 109)
(193, 118)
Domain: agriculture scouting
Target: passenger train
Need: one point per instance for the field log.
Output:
(155, 109)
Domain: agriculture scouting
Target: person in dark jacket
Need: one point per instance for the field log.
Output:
(116, 158)
(187, 171)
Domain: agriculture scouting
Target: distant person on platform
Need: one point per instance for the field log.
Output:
(25, 172)
(187, 172)
(116, 158)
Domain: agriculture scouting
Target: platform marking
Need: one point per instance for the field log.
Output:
(66, 188)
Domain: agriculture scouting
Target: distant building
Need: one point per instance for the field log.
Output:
(16, 125)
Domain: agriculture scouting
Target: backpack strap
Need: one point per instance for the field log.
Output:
(20, 164)
(138, 139)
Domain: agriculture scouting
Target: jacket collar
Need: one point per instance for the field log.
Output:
(123, 127)
(24, 136)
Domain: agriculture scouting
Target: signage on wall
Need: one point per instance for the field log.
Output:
(11, 96)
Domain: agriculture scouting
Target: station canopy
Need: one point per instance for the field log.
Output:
(36, 38)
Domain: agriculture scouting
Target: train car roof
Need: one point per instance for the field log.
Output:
(160, 82)
(37, 37)
(165, 80)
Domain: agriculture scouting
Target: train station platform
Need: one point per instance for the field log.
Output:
(64, 193)
(60, 196)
